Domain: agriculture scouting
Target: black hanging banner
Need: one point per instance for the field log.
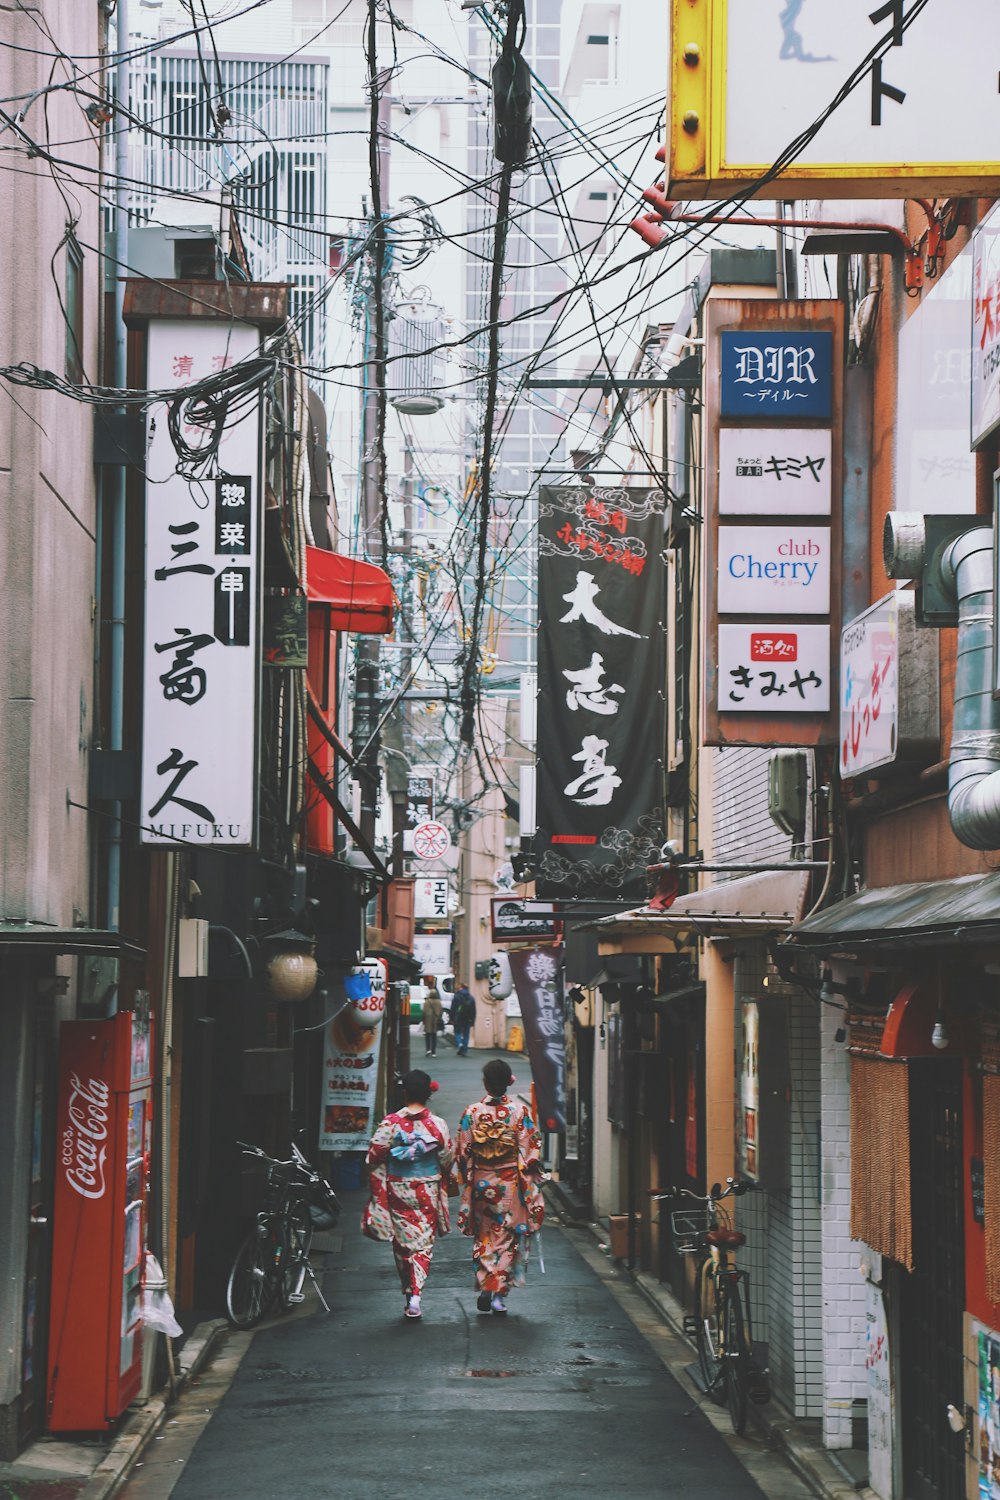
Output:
(599, 811)
(538, 980)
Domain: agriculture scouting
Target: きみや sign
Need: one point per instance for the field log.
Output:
(768, 570)
(774, 669)
(774, 471)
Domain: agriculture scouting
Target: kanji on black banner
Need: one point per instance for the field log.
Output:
(600, 690)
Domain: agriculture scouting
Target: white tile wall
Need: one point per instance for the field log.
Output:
(783, 1227)
(845, 1376)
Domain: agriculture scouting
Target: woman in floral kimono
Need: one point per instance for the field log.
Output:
(411, 1157)
(499, 1160)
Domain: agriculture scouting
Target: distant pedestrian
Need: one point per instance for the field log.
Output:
(463, 1018)
(499, 1161)
(411, 1157)
(433, 1016)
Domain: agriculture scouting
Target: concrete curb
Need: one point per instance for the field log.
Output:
(778, 1428)
(141, 1428)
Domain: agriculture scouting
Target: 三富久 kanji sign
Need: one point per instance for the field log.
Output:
(202, 605)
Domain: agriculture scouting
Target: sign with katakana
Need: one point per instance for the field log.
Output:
(869, 688)
(431, 840)
(774, 471)
(774, 570)
(986, 328)
(430, 898)
(770, 376)
(201, 652)
(774, 669)
(752, 78)
(600, 698)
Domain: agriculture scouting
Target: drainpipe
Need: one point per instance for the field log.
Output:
(974, 763)
(118, 475)
(966, 569)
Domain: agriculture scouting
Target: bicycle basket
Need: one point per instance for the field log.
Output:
(688, 1227)
(324, 1207)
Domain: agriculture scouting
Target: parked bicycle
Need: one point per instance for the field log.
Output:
(273, 1261)
(723, 1326)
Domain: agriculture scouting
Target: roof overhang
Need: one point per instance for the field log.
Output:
(754, 905)
(927, 912)
(69, 940)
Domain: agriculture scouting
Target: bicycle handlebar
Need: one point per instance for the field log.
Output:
(735, 1187)
(297, 1160)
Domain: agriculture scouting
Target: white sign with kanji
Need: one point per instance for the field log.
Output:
(774, 471)
(986, 328)
(202, 603)
(770, 668)
(430, 898)
(869, 688)
(431, 840)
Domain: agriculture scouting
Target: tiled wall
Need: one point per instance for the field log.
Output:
(844, 1324)
(783, 1224)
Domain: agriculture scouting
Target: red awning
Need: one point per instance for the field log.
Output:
(359, 594)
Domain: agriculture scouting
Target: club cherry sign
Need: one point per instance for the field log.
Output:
(84, 1141)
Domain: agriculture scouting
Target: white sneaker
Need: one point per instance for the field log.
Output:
(412, 1307)
(498, 1304)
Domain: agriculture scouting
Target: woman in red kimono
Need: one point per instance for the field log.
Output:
(411, 1157)
(499, 1160)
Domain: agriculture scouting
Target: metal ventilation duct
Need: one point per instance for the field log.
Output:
(416, 360)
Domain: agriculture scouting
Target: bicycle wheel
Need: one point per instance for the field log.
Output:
(736, 1359)
(298, 1232)
(708, 1327)
(250, 1288)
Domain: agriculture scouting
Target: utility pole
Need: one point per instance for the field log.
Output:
(373, 475)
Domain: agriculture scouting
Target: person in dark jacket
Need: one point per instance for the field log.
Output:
(463, 1017)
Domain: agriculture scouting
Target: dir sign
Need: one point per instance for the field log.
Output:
(774, 570)
(774, 471)
(774, 375)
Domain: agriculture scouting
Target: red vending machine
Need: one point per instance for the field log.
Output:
(103, 1134)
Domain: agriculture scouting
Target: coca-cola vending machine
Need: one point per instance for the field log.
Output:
(103, 1135)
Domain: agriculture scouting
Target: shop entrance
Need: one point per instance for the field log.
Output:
(931, 1297)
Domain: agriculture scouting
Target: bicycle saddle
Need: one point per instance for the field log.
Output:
(726, 1239)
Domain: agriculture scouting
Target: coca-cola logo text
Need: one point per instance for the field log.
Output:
(83, 1148)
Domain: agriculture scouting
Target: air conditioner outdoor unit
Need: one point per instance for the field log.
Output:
(787, 790)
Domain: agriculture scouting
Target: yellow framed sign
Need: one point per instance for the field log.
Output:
(750, 77)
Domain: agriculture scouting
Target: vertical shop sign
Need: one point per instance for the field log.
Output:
(750, 1093)
(201, 651)
(352, 1042)
(880, 1398)
(773, 541)
(986, 328)
(869, 688)
(538, 979)
(419, 799)
(600, 690)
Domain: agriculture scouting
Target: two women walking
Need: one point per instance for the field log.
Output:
(413, 1170)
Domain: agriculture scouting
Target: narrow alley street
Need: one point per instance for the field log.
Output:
(563, 1397)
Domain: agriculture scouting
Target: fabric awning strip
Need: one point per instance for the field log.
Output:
(753, 904)
(358, 594)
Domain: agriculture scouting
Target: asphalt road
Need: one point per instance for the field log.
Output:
(564, 1397)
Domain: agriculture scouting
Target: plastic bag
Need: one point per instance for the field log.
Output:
(157, 1308)
(358, 986)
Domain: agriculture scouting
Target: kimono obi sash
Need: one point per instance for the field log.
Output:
(414, 1152)
(494, 1141)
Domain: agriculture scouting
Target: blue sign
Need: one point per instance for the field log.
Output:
(777, 375)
